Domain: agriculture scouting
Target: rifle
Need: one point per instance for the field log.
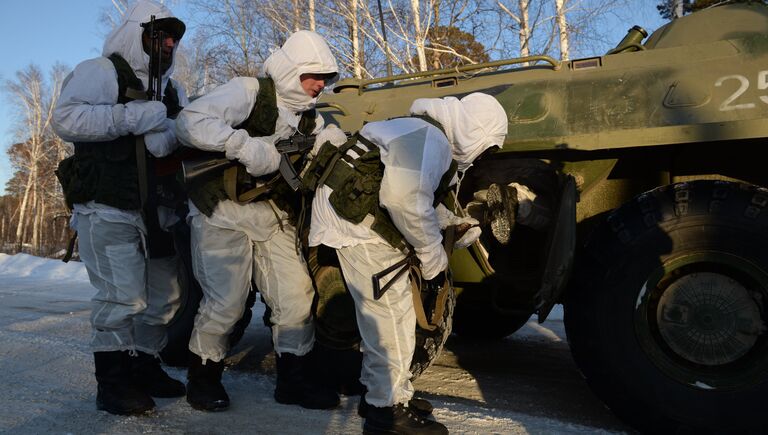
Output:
(154, 82)
(215, 163)
(402, 267)
(159, 242)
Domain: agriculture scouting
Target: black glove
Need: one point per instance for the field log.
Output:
(435, 284)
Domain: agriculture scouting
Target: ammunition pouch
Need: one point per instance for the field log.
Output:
(355, 183)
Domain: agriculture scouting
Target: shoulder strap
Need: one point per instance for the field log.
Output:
(129, 86)
(308, 122)
(171, 100)
(426, 118)
(263, 117)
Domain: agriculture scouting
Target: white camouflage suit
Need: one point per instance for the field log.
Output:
(416, 155)
(243, 242)
(136, 297)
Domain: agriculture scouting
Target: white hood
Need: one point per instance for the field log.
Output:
(472, 124)
(125, 39)
(304, 52)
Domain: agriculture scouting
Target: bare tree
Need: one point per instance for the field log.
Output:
(38, 149)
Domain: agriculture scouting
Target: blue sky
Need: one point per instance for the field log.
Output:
(46, 31)
(41, 32)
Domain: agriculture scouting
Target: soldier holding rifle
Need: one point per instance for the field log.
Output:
(242, 218)
(119, 118)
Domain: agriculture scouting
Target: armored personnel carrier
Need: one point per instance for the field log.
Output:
(648, 160)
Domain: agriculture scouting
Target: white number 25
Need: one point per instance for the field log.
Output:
(762, 84)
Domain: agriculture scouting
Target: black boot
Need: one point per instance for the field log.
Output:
(336, 369)
(420, 407)
(150, 377)
(350, 362)
(294, 388)
(204, 389)
(117, 393)
(399, 419)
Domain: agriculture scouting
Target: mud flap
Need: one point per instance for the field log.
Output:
(562, 243)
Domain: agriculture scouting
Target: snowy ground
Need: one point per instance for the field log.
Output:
(526, 383)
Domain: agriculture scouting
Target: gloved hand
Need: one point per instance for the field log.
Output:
(432, 286)
(162, 142)
(257, 154)
(468, 238)
(446, 218)
(143, 116)
(331, 133)
(433, 259)
(469, 230)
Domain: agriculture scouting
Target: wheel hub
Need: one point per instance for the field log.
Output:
(708, 318)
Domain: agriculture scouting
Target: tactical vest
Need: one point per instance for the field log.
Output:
(354, 172)
(209, 191)
(106, 172)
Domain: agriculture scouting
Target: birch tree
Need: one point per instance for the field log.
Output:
(38, 149)
(562, 29)
(419, 35)
(521, 18)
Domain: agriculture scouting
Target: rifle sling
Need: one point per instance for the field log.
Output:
(436, 319)
(230, 186)
(141, 166)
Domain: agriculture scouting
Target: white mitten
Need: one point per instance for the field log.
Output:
(433, 260)
(446, 218)
(143, 116)
(331, 133)
(468, 238)
(162, 142)
(258, 154)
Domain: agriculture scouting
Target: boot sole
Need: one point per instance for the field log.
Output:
(423, 413)
(502, 221)
(368, 430)
(209, 408)
(378, 431)
(166, 395)
(283, 401)
(139, 411)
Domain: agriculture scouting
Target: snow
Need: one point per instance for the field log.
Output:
(24, 265)
(529, 385)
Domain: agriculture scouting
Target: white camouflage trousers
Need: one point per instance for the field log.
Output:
(387, 326)
(224, 262)
(136, 296)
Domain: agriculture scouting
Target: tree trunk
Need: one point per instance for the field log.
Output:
(562, 28)
(38, 236)
(436, 64)
(525, 30)
(418, 36)
(35, 240)
(678, 9)
(312, 15)
(354, 37)
(296, 15)
(23, 210)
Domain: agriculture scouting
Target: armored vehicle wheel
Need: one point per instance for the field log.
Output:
(176, 352)
(667, 318)
(336, 326)
(481, 321)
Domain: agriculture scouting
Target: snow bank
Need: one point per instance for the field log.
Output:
(25, 265)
